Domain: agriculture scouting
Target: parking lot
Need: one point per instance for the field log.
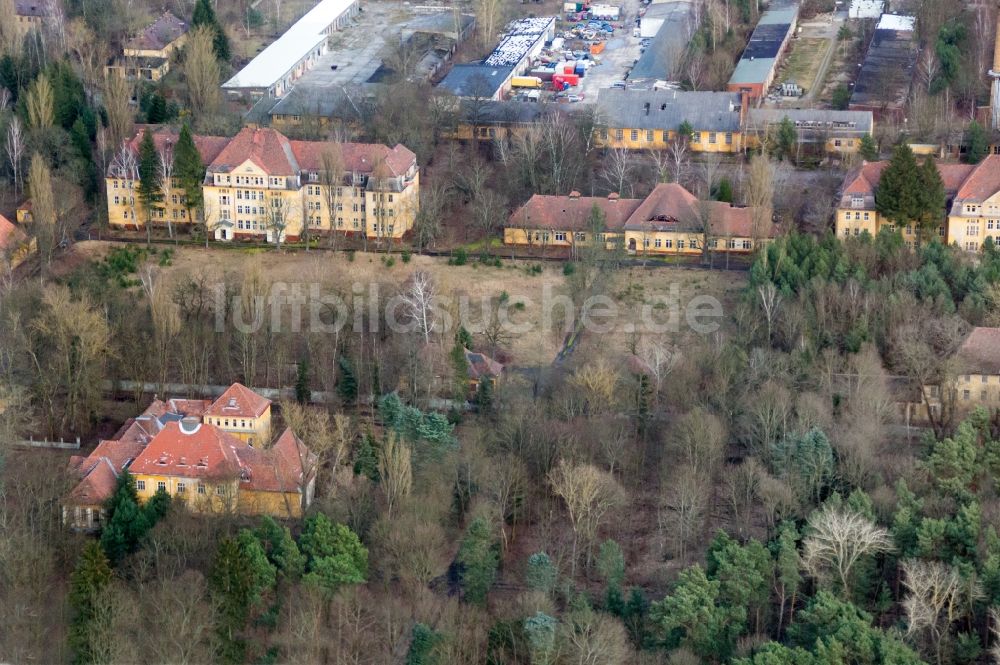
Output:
(620, 52)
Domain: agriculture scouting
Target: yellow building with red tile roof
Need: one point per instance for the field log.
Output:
(670, 220)
(261, 185)
(15, 245)
(971, 216)
(243, 413)
(175, 447)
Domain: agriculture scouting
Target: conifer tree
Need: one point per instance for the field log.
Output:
(932, 198)
(977, 143)
(303, 394)
(868, 148)
(204, 14)
(347, 386)
(898, 197)
(189, 170)
(91, 576)
(149, 180)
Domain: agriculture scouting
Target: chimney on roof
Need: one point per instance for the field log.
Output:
(574, 194)
(613, 196)
(645, 107)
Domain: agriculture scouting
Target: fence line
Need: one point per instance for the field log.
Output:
(60, 444)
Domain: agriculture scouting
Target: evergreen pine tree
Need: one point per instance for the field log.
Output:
(479, 559)
(932, 198)
(149, 180)
(240, 576)
(189, 170)
(347, 386)
(204, 14)
(157, 110)
(977, 143)
(868, 148)
(91, 576)
(303, 394)
(898, 197)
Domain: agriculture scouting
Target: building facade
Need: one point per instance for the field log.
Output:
(175, 446)
(976, 382)
(971, 216)
(260, 185)
(147, 56)
(650, 119)
(839, 132)
(670, 221)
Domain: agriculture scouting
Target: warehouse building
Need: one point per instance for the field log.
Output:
(839, 131)
(884, 82)
(276, 68)
(521, 42)
(670, 26)
(758, 65)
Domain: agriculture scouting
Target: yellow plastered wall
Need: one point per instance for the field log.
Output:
(659, 139)
(255, 431)
(124, 208)
(973, 390)
(156, 53)
(277, 504)
(974, 223)
(219, 496)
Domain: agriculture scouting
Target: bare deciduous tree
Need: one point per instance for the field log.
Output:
(418, 297)
(395, 471)
(201, 71)
(838, 538)
(936, 598)
(40, 103)
(589, 494)
(117, 98)
(15, 150)
(618, 169)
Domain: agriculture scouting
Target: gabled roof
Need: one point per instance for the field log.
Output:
(208, 147)
(481, 365)
(99, 471)
(191, 450)
(980, 352)
(865, 179)
(356, 157)
(38, 8)
(670, 207)
(10, 235)
(570, 213)
(238, 401)
(159, 34)
(983, 182)
(269, 149)
(278, 468)
(97, 485)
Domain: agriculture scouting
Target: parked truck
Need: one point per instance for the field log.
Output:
(526, 82)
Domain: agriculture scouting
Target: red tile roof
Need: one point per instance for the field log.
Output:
(865, 179)
(481, 365)
(239, 401)
(190, 450)
(100, 469)
(159, 34)
(570, 213)
(97, 485)
(278, 468)
(670, 207)
(10, 235)
(265, 147)
(208, 147)
(980, 352)
(983, 182)
(357, 157)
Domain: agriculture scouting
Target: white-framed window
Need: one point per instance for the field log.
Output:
(635, 135)
(181, 488)
(560, 237)
(140, 485)
(220, 490)
(201, 488)
(160, 485)
(857, 201)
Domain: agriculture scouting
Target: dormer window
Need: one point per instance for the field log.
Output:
(857, 201)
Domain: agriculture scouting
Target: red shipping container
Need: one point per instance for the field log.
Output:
(568, 69)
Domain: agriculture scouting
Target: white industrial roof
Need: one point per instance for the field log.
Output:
(284, 53)
(896, 22)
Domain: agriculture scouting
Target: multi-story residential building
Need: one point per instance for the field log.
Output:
(259, 184)
(670, 220)
(147, 56)
(173, 446)
(972, 211)
(31, 14)
(649, 119)
(243, 413)
(974, 381)
(974, 216)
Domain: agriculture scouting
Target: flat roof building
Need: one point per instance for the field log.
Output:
(670, 25)
(755, 71)
(276, 68)
(884, 82)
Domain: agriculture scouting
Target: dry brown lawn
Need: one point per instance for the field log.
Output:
(631, 289)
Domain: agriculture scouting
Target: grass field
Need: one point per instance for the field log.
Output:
(804, 61)
(631, 289)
